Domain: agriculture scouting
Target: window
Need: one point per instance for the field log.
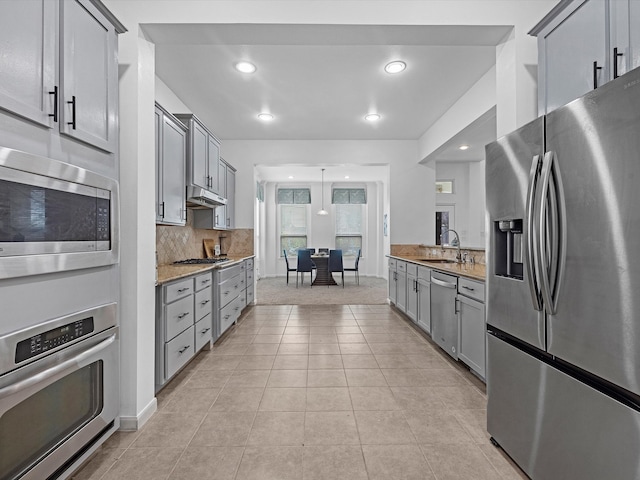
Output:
(294, 196)
(349, 195)
(349, 228)
(293, 228)
(444, 186)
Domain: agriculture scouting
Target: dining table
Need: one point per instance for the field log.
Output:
(323, 276)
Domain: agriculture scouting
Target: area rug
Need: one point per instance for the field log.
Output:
(275, 291)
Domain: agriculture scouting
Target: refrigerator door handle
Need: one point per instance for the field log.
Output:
(551, 226)
(530, 262)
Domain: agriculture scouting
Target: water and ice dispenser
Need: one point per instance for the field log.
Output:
(508, 248)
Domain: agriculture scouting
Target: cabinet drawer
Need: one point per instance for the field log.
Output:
(203, 303)
(424, 273)
(471, 289)
(203, 281)
(250, 295)
(249, 276)
(412, 269)
(178, 316)
(249, 263)
(229, 314)
(203, 332)
(179, 351)
(243, 299)
(393, 264)
(401, 266)
(228, 290)
(174, 291)
(227, 273)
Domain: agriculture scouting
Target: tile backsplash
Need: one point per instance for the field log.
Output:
(179, 243)
(400, 250)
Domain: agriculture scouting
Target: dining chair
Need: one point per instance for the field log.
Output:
(305, 264)
(289, 269)
(355, 267)
(323, 250)
(335, 263)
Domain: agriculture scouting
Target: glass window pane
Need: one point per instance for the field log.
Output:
(444, 186)
(349, 245)
(292, 244)
(301, 196)
(293, 220)
(285, 196)
(357, 196)
(349, 219)
(340, 195)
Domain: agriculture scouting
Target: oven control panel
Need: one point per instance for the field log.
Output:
(53, 338)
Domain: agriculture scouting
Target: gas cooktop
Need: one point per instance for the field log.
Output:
(197, 261)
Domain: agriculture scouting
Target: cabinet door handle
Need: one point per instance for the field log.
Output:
(55, 104)
(615, 62)
(73, 112)
(468, 288)
(204, 302)
(596, 68)
(185, 289)
(183, 349)
(182, 315)
(455, 308)
(162, 209)
(204, 331)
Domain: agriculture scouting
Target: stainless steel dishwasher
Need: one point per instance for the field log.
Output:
(444, 319)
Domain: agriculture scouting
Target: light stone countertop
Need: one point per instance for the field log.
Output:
(170, 272)
(476, 271)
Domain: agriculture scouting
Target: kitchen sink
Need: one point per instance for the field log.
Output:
(437, 260)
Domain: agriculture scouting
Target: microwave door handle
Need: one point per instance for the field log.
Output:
(55, 370)
(543, 259)
(530, 261)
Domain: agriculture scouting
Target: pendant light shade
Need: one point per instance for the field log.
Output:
(322, 211)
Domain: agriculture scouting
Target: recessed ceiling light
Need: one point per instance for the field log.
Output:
(346, 177)
(290, 177)
(395, 67)
(464, 147)
(372, 117)
(245, 67)
(265, 117)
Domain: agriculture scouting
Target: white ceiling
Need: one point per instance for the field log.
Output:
(320, 80)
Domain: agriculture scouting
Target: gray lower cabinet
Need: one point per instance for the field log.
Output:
(444, 318)
(401, 285)
(393, 281)
(228, 285)
(171, 138)
(412, 292)
(472, 325)
(249, 294)
(74, 91)
(183, 323)
(423, 285)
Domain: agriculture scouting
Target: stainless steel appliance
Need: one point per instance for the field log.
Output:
(54, 216)
(59, 393)
(444, 315)
(563, 285)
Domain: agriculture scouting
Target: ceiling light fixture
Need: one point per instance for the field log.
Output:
(464, 147)
(372, 117)
(346, 177)
(396, 66)
(245, 67)
(265, 117)
(290, 177)
(322, 211)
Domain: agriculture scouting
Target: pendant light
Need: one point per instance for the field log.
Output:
(322, 211)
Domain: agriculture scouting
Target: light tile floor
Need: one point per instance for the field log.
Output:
(313, 392)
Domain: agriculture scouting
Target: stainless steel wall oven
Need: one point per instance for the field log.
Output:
(59, 393)
(54, 216)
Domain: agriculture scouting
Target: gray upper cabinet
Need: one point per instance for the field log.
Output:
(28, 63)
(583, 44)
(171, 139)
(231, 197)
(62, 72)
(221, 217)
(203, 154)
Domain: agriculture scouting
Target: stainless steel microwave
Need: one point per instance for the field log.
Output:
(54, 216)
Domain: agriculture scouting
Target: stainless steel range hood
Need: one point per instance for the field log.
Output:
(198, 196)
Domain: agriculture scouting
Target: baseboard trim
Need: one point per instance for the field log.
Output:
(132, 424)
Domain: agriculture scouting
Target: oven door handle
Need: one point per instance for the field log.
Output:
(50, 372)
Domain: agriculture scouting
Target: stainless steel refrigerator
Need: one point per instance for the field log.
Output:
(563, 288)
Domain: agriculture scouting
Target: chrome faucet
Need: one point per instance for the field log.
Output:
(459, 254)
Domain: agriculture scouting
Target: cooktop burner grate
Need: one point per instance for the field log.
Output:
(197, 261)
